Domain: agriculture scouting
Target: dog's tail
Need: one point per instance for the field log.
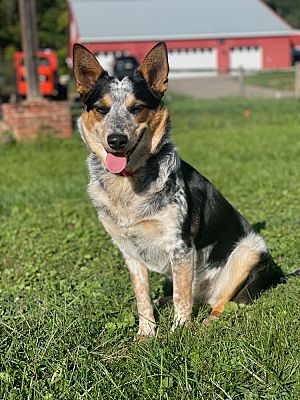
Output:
(286, 277)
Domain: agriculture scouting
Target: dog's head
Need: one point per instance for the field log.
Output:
(124, 121)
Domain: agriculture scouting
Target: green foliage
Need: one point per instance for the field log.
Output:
(10, 35)
(52, 23)
(67, 310)
(53, 20)
(288, 9)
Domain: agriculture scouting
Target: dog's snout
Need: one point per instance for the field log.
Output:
(117, 142)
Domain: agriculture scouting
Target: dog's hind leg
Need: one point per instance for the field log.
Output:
(140, 279)
(245, 256)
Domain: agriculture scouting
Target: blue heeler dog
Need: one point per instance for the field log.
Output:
(163, 215)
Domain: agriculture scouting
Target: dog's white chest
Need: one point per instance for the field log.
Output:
(151, 238)
(150, 241)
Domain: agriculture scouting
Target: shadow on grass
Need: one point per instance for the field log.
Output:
(259, 226)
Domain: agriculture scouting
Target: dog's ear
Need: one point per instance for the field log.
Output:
(86, 69)
(155, 68)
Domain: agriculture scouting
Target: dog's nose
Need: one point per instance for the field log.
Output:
(117, 142)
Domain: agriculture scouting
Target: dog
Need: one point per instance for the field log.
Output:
(162, 214)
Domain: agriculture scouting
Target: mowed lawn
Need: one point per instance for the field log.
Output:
(67, 310)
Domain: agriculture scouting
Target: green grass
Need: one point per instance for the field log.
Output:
(67, 309)
(281, 80)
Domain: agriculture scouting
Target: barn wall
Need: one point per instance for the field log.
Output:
(276, 51)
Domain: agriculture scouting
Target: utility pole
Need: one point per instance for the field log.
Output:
(27, 9)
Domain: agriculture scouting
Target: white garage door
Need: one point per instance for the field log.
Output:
(246, 57)
(192, 62)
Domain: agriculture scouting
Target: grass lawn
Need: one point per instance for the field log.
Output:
(67, 309)
(281, 80)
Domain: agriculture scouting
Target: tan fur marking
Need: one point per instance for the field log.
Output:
(154, 122)
(152, 227)
(215, 313)
(142, 116)
(237, 270)
(218, 309)
(105, 101)
(240, 262)
(90, 119)
(158, 122)
(131, 100)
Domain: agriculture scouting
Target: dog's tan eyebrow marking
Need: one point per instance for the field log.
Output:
(132, 101)
(105, 101)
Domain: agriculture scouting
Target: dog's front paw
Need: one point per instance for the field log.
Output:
(145, 330)
(180, 320)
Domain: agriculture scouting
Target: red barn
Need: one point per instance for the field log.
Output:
(200, 34)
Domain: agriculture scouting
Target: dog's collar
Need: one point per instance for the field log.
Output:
(126, 173)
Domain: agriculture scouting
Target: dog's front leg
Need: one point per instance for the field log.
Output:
(183, 272)
(140, 279)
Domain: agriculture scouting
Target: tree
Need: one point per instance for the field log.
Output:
(52, 21)
(10, 34)
(288, 9)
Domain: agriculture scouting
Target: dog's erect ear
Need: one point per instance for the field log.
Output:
(86, 69)
(155, 68)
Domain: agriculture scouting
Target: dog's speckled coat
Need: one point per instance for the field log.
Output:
(165, 217)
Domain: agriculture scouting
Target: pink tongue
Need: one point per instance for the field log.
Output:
(115, 163)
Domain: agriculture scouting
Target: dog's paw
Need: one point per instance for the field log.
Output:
(146, 330)
(140, 337)
(180, 321)
(207, 321)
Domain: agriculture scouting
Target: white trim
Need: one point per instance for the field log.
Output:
(188, 36)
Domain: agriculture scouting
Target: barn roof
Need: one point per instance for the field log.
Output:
(139, 20)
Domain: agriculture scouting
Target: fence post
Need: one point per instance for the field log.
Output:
(242, 81)
(297, 80)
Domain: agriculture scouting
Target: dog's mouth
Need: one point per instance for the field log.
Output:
(117, 162)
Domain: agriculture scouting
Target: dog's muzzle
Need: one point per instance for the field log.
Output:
(129, 153)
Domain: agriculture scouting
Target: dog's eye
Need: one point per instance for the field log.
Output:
(136, 109)
(102, 110)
